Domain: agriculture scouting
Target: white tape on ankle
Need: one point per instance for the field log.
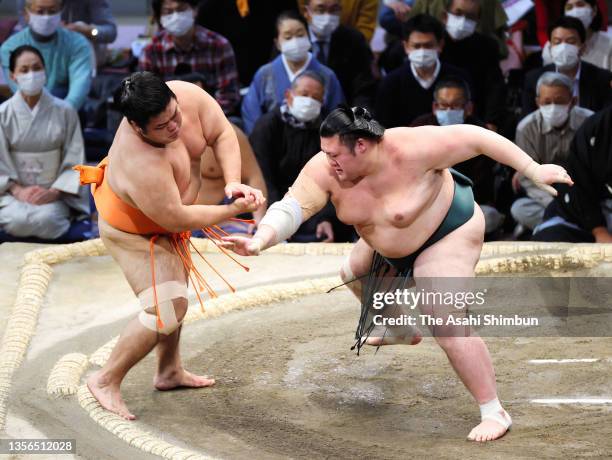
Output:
(491, 407)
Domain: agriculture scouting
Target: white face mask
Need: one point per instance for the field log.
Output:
(565, 56)
(450, 117)
(178, 23)
(323, 25)
(31, 83)
(555, 114)
(423, 58)
(584, 13)
(296, 49)
(459, 27)
(305, 108)
(45, 25)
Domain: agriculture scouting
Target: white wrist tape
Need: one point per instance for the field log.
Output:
(285, 217)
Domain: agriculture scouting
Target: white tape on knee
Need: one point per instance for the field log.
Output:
(165, 293)
(345, 272)
(167, 315)
(285, 217)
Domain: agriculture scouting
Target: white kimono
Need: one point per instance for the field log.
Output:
(40, 146)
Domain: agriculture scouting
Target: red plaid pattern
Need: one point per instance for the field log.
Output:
(210, 55)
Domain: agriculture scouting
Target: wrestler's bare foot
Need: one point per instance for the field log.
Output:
(489, 430)
(180, 378)
(108, 395)
(390, 340)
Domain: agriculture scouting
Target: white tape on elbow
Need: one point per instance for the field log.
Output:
(285, 217)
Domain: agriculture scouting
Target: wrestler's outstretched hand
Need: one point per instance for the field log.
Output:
(236, 189)
(242, 246)
(545, 175)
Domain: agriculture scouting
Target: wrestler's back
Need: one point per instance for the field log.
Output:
(396, 210)
(130, 156)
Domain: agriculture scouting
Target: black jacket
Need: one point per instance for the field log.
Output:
(594, 88)
(401, 98)
(590, 166)
(351, 59)
(478, 56)
(252, 37)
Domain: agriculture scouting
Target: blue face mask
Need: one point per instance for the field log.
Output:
(449, 117)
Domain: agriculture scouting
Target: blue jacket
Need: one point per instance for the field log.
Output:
(267, 90)
(68, 63)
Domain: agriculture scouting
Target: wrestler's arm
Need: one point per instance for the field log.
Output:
(446, 146)
(308, 195)
(220, 135)
(157, 196)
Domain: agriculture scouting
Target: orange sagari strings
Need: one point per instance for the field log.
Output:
(131, 220)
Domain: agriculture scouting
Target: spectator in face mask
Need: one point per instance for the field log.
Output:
(40, 142)
(591, 85)
(68, 55)
(267, 90)
(598, 45)
(407, 92)
(182, 42)
(284, 139)
(546, 135)
(358, 14)
(91, 18)
(453, 106)
(343, 49)
(248, 25)
(478, 55)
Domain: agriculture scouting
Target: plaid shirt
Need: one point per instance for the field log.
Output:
(210, 55)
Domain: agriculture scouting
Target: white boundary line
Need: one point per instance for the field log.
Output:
(598, 401)
(564, 361)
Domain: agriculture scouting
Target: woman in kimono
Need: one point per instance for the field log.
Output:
(40, 142)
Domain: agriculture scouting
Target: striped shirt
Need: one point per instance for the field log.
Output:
(210, 54)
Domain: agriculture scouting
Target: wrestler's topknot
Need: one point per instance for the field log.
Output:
(351, 124)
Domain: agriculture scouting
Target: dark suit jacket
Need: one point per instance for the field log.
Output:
(594, 88)
(252, 37)
(351, 59)
(401, 98)
(478, 55)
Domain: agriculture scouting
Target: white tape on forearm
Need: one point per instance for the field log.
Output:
(285, 217)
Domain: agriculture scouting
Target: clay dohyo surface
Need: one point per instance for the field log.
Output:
(289, 386)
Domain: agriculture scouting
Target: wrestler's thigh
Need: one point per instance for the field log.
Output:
(456, 254)
(447, 267)
(361, 258)
(133, 255)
